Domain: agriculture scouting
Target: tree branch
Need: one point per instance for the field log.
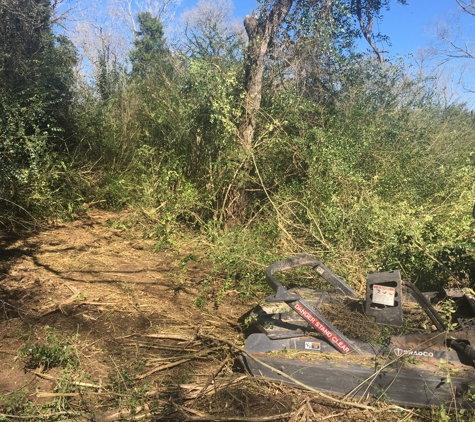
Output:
(366, 29)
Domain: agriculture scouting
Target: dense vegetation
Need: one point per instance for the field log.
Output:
(351, 159)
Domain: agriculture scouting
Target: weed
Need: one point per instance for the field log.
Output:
(269, 324)
(384, 336)
(447, 309)
(81, 296)
(224, 288)
(188, 258)
(250, 320)
(49, 355)
(16, 403)
(381, 395)
(182, 276)
(200, 300)
(126, 287)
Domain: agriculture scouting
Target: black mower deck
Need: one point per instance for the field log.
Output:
(418, 370)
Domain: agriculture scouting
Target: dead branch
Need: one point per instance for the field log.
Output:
(304, 413)
(79, 384)
(160, 347)
(161, 368)
(211, 389)
(168, 336)
(239, 419)
(367, 28)
(211, 379)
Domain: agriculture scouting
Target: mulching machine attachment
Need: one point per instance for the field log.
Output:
(428, 367)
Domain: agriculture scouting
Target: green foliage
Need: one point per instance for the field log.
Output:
(150, 48)
(353, 162)
(23, 140)
(50, 355)
(36, 80)
(16, 403)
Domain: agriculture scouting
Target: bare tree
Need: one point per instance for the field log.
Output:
(210, 30)
(127, 10)
(467, 7)
(453, 51)
(105, 30)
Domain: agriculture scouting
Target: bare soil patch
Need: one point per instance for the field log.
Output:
(96, 325)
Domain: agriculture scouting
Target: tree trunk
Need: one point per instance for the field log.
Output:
(260, 33)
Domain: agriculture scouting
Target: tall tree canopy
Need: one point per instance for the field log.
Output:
(150, 50)
(36, 79)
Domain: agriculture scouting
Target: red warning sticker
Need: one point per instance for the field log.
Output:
(322, 328)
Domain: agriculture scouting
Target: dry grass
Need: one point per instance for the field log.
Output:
(141, 349)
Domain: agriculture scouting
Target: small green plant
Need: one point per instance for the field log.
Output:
(182, 276)
(49, 355)
(251, 319)
(184, 269)
(126, 287)
(447, 309)
(380, 394)
(81, 296)
(188, 258)
(441, 414)
(200, 300)
(16, 403)
(269, 324)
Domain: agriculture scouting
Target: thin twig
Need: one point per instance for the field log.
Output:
(168, 336)
(422, 249)
(239, 419)
(211, 379)
(161, 368)
(78, 383)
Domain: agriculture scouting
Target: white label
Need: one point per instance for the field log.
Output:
(320, 270)
(312, 346)
(400, 352)
(384, 295)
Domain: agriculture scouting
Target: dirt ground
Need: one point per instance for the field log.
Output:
(97, 326)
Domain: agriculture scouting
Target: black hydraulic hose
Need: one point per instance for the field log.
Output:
(462, 347)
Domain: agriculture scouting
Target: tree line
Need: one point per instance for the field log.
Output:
(272, 137)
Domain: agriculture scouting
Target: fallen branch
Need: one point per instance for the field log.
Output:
(168, 336)
(77, 383)
(304, 413)
(184, 409)
(211, 379)
(238, 419)
(211, 389)
(372, 377)
(161, 368)
(153, 346)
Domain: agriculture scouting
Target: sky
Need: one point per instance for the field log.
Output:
(410, 28)
(407, 26)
